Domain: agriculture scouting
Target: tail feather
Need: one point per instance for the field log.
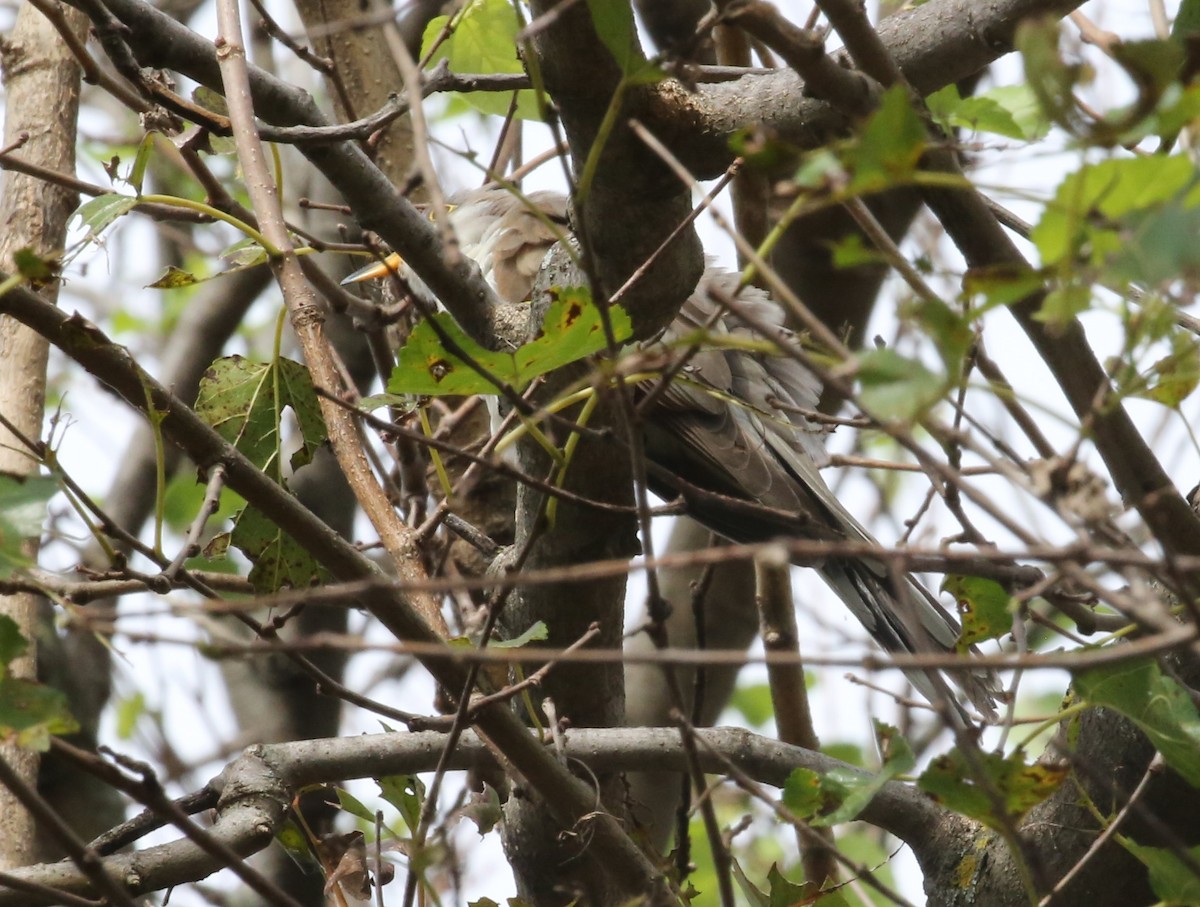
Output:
(753, 441)
(909, 620)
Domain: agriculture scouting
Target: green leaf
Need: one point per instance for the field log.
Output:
(1155, 247)
(1001, 285)
(173, 278)
(219, 564)
(129, 711)
(23, 507)
(536, 633)
(245, 253)
(137, 173)
(292, 838)
(985, 606)
(1175, 112)
(244, 401)
(851, 251)
(1152, 64)
(844, 751)
(184, 496)
(1187, 19)
(819, 170)
(12, 643)
(898, 756)
(950, 779)
(1087, 206)
(977, 113)
(217, 548)
(279, 561)
(211, 100)
(484, 40)
(784, 893)
(1173, 881)
(895, 387)
(215, 102)
(1155, 703)
(614, 26)
(852, 791)
(571, 330)
(1173, 378)
(484, 809)
(763, 149)
(30, 712)
(950, 332)
(406, 404)
(23, 501)
(753, 894)
(1117, 187)
(34, 267)
(354, 806)
(298, 393)
(841, 794)
(891, 143)
(802, 793)
(1050, 79)
(426, 366)
(1022, 105)
(753, 703)
(1063, 303)
(97, 213)
(407, 794)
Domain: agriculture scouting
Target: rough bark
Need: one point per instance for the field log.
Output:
(354, 37)
(1110, 756)
(633, 187)
(42, 86)
(582, 695)
(359, 41)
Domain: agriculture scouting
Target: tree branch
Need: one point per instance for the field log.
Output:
(256, 790)
(569, 800)
(159, 40)
(632, 188)
(935, 45)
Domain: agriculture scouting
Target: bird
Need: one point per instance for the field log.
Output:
(733, 433)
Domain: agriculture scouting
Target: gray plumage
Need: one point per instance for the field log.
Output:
(763, 448)
(733, 423)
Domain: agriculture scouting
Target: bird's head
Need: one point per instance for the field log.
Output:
(507, 234)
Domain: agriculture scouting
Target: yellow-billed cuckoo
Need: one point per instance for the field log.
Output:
(735, 424)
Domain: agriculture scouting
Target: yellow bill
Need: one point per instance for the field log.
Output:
(376, 269)
(389, 265)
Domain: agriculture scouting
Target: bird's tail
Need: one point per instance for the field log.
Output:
(903, 617)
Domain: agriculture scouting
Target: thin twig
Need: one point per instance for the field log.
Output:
(789, 696)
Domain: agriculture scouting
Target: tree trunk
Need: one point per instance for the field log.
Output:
(42, 83)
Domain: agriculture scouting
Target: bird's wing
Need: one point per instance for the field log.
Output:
(737, 424)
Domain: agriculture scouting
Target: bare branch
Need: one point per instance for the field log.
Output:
(256, 790)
